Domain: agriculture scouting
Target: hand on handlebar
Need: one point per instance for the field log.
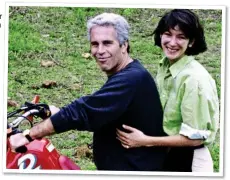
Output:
(17, 141)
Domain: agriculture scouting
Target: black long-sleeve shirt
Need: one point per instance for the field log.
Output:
(128, 97)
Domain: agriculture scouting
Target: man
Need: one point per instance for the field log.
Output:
(129, 96)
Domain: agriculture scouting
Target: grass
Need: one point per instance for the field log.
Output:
(58, 34)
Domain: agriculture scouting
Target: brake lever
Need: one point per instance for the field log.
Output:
(29, 105)
(44, 110)
(23, 108)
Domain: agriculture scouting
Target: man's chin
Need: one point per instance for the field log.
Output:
(106, 70)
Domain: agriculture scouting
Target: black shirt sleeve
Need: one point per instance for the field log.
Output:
(94, 111)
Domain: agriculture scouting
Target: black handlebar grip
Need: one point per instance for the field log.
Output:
(44, 113)
(21, 149)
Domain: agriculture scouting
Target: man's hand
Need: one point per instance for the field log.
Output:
(18, 140)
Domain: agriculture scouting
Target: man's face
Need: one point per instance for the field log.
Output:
(106, 49)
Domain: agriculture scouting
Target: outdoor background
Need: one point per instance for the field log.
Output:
(49, 56)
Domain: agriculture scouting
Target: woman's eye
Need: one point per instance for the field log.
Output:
(167, 33)
(182, 37)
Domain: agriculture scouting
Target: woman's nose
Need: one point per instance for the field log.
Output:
(173, 41)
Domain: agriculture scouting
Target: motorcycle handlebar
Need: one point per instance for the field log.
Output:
(17, 121)
(30, 110)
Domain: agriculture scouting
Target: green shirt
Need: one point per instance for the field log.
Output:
(189, 99)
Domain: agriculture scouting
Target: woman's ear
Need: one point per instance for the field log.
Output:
(190, 44)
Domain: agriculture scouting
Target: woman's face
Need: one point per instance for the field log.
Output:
(174, 44)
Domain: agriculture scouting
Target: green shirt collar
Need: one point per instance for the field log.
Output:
(178, 66)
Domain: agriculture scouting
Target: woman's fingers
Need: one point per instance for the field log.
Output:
(122, 141)
(122, 134)
(128, 140)
(129, 128)
(122, 138)
(126, 146)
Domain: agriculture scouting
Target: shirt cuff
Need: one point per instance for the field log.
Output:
(192, 133)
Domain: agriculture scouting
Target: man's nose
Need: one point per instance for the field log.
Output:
(101, 49)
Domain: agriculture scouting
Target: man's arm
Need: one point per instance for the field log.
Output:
(87, 113)
(93, 112)
(44, 128)
(40, 130)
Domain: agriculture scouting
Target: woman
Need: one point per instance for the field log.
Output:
(188, 96)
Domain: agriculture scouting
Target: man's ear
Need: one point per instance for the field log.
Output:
(124, 47)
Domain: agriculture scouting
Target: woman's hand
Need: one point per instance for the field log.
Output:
(135, 138)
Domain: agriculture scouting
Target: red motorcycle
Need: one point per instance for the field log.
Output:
(40, 153)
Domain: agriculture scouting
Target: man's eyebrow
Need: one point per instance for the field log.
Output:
(93, 42)
(104, 42)
(107, 41)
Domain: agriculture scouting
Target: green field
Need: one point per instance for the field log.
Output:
(50, 44)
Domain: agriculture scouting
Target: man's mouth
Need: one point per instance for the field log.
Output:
(104, 59)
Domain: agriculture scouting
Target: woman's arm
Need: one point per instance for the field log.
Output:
(136, 138)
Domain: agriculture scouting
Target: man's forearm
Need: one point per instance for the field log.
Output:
(42, 129)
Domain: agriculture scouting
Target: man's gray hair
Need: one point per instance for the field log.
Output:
(110, 19)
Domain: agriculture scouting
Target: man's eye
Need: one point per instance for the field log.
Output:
(94, 44)
(107, 42)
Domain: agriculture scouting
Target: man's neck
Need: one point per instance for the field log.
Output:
(120, 66)
(124, 63)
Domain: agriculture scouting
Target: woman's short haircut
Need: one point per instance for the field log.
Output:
(119, 23)
(188, 23)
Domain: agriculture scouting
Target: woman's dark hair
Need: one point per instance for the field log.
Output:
(188, 23)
